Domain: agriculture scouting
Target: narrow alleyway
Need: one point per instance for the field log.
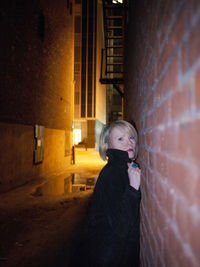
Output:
(67, 69)
(41, 227)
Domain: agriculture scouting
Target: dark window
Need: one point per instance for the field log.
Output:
(77, 67)
(90, 59)
(41, 26)
(77, 98)
(70, 8)
(83, 59)
(77, 54)
(77, 24)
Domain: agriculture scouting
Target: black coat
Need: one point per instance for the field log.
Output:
(112, 231)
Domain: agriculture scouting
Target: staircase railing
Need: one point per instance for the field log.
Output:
(112, 55)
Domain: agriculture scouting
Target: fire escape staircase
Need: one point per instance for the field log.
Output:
(112, 59)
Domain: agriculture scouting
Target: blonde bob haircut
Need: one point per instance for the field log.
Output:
(104, 141)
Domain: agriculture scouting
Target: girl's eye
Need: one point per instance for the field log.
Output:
(120, 138)
(132, 137)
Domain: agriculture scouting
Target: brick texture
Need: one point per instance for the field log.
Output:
(36, 87)
(36, 63)
(162, 97)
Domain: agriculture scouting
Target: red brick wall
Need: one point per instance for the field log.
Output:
(36, 87)
(163, 97)
(36, 62)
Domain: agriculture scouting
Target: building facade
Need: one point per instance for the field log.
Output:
(37, 89)
(90, 95)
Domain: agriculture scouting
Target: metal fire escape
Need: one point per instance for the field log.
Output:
(112, 58)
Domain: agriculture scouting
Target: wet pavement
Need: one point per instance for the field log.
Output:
(41, 221)
(62, 185)
(79, 177)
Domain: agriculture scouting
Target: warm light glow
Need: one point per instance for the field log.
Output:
(117, 1)
(77, 136)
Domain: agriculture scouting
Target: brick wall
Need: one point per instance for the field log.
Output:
(36, 87)
(36, 62)
(163, 98)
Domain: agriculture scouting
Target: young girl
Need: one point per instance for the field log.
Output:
(112, 232)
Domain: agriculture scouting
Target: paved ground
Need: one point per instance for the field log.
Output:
(40, 226)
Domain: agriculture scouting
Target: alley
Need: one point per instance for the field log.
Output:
(42, 229)
(69, 67)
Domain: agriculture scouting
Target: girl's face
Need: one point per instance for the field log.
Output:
(122, 140)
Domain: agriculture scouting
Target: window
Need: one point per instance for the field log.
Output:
(77, 24)
(77, 54)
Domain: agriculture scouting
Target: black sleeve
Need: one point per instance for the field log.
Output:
(114, 206)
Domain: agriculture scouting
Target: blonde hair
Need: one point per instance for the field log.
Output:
(104, 141)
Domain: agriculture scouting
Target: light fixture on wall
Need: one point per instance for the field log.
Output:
(117, 1)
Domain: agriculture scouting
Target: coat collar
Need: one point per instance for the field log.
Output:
(117, 156)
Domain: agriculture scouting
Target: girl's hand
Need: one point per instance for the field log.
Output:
(134, 175)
